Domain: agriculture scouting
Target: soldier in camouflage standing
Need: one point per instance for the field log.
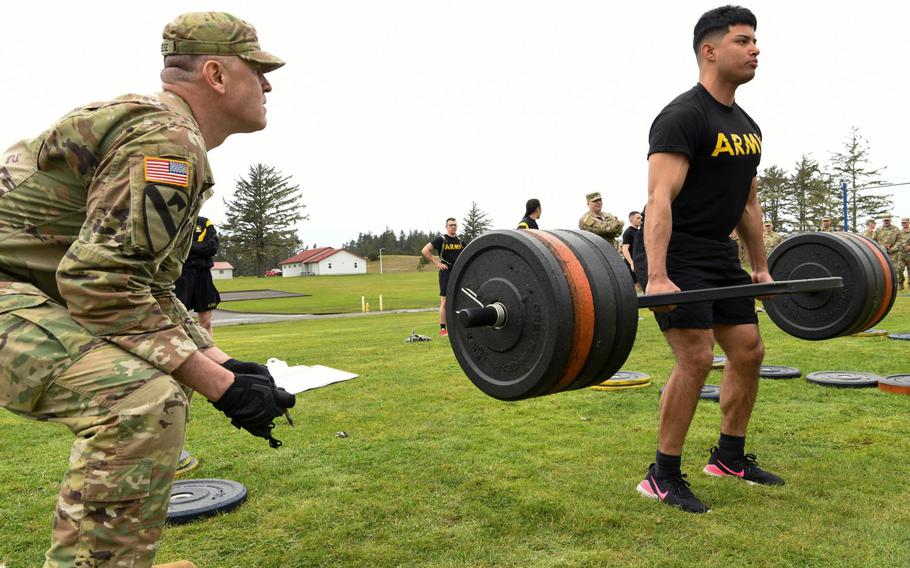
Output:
(889, 237)
(598, 222)
(770, 238)
(904, 249)
(869, 231)
(826, 225)
(96, 216)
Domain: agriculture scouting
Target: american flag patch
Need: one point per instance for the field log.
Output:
(163, 170)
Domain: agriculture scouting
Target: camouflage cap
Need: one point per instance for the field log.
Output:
(216, 33)
(905, 219)
(593, 196)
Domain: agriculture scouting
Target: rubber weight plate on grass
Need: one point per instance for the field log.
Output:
(828, 313)
(843, 379)
(708, 392)
(905, 335)
(627, 378)
(607, 387)
(895, 383)
(527, 356)
(198, 498)
(778, 372)
(719, 361)
(186, 463)
(871, 333)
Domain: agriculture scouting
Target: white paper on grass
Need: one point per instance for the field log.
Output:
(301, 378)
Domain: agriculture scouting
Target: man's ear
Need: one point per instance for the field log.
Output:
(214, 74)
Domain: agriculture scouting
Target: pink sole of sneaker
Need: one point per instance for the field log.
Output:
(644, 488)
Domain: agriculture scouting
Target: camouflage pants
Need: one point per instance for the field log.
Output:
(128, 418)
(900, 264)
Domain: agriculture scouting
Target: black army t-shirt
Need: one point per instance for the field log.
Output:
(723, 145)
(448, 248)
(629, 236)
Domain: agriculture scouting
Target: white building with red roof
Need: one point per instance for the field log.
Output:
(323, 261)
(222, 271)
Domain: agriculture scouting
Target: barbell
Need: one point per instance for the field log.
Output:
(533, 313)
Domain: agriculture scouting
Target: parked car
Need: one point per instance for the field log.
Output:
(273, 272)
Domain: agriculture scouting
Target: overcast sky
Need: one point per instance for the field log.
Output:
(401, 113)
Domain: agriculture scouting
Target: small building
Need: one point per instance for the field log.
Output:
(222, 271)
(323, 261)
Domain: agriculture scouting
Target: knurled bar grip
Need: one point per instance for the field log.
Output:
(488, 316)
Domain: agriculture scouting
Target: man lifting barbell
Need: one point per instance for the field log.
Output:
(702, 166)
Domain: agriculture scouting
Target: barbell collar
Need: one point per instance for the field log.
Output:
(808, 286)
(493, 315)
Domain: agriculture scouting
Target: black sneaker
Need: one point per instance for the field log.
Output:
(744, 468)
(672, 491)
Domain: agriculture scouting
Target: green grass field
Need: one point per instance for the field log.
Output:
(434, 473)
(337, 294)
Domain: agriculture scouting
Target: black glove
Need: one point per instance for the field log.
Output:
(247, 368)
(252, 403)
(239, 367)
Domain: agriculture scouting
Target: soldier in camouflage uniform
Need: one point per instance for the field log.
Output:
(904, 250)
(598, 222)
(889, 237)
(770, 238)
(96, 217)
(869, 231)
(826, 225)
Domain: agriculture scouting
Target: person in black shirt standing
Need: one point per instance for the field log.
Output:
(702, 166)
(532, 214)
(195, 288)
(448, 247)
(628, 241)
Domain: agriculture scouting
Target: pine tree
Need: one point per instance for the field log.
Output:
(851, 166)
(260, 229)
(475, 223)
(772, 193)
(811, 195)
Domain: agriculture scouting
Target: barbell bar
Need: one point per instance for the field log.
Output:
(495, 314)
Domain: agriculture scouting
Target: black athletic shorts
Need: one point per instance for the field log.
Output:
(443, 281)
(694, 263)
(196, 290)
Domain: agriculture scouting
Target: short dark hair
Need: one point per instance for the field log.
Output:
(634, 213)
(720, 19)
(531, 206)
(451, 219)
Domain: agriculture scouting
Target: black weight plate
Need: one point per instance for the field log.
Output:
(527, 356)
(605, 310)
(877, 290)
(778, 372)
(708, 392)
(828, 313)
(625, 303)
(198, 498)
(903, 335)
(843, 379)
(887, 273)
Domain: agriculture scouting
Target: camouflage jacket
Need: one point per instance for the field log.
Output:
(771, 240)
(904, 242)
(888, 237)
(98, 213)
(604, 224)
(869, 234)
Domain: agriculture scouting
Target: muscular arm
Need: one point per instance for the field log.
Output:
(666, 174)
(749, 230)
(628, 256)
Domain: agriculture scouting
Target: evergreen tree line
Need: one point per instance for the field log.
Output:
(798, 200)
